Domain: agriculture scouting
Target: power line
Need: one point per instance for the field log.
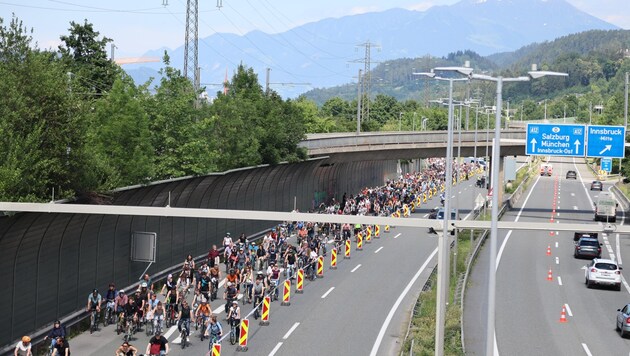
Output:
(366, 80)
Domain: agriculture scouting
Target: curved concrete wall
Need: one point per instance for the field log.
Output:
(50, 262)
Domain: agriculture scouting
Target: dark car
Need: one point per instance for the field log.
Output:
(587, 247)
(571, 175)
(439, 215)
(597, 185)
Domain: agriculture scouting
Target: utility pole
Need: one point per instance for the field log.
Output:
(359, 103)
(113, 46)
(367, 77)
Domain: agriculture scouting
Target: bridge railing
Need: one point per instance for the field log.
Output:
(399, 138)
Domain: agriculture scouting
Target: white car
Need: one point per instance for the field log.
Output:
(604, 272)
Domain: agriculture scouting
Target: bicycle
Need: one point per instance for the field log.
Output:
(110, 314)
(185, 333)
(93, 320)
(129, 330)
(157, 325)
(149, 327)
(201, 322)
(233, 330)
(170, 315)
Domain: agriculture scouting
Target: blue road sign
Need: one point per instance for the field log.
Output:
(555, 140)
(606, 141)
(606, 164)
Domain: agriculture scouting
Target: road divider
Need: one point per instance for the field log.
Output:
(242, 340)
(286, 295)
(333, 258)
(264, 320)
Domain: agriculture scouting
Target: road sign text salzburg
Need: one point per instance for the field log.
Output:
(606, 141)
(555, 140)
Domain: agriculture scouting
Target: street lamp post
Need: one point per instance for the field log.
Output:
(400, 121)
(496, 154)
(443, 249)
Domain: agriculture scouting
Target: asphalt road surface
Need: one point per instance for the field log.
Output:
(528, 306)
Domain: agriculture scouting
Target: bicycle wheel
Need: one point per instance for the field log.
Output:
(184, 338)
(106, 318)
(149, 328)
(233, 336)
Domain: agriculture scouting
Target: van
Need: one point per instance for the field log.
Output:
(606, 207)
(546, 169)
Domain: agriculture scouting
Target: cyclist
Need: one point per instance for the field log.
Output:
(158, 316)
(258, 290)
(185, 314)
(232, 277)
(191, 262)
(227, 240)
(23, 347)
(57, 331)
(273, 272)
(203, 312)
(170, 284)
(213, 256)
(215, 277)
(62, 348)
(126, 350)
(94, 306)
(120, 301)
(171, 302)
(247, 277)
(147, 279)
(234, 317)
(151, 306)
(204, 284)
(261, 257)
(289, 262)
(110, 300)
(158, 346)
(229, 295)
(214, 331)
(129, 314)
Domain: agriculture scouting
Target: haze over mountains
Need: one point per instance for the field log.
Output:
(329, 52)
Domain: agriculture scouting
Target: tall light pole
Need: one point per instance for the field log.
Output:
(496, 156)
(443, 248)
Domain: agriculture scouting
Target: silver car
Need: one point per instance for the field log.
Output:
(623, 320)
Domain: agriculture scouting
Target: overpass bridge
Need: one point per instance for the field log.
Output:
(369, 146)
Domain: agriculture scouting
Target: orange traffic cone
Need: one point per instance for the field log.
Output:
(549, 250)
(550, 275)
(551, 220)
(550, 234)
(563, 315)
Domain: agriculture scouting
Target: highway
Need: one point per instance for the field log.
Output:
(361, 308)
(528, 305)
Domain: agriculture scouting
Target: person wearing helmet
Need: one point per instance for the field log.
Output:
(229, 295)
(57, 331)
(23, 347)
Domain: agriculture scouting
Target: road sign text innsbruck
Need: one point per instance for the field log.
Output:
(555, 140)
(605, 141)
(575, 140)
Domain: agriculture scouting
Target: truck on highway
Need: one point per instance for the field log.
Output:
(606, 207)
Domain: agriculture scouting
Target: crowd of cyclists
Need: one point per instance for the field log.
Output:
(251, 269)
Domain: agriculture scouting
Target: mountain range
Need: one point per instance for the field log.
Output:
(330, 52)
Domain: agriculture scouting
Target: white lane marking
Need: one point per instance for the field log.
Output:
(425, 215)
(355, 268)
(618, 249)
(559, 280)
(568, 309)
(572, 194)
(556, 244)
(507, 237)
(397, 235)
(453, 196)
(390, 315)
(170, 331)
(623, 280)
(558, 214)
(328, 292)
(588, 352)
(286, 336)
(378, 249)
(575, 207)
(557, 260)
(275, 349)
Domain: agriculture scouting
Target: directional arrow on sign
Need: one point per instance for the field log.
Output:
(577, 145)
(533, 142)
(606, 148)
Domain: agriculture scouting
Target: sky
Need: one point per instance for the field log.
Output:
(137, 26)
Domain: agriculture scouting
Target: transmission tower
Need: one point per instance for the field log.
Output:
(366, 80)
(191, 45)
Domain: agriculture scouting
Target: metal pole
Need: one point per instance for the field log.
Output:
(359, 103)
(476, 119)
(492, 275)
(443, 251)
(400, 121)
(625, 110)
(487, 133)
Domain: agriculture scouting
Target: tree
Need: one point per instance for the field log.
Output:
(86, 57)
(119, 137)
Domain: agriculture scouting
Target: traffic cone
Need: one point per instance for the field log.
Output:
(549, 249)
(549, 275)
(551, 220)
(563, 315)
(550, 234)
